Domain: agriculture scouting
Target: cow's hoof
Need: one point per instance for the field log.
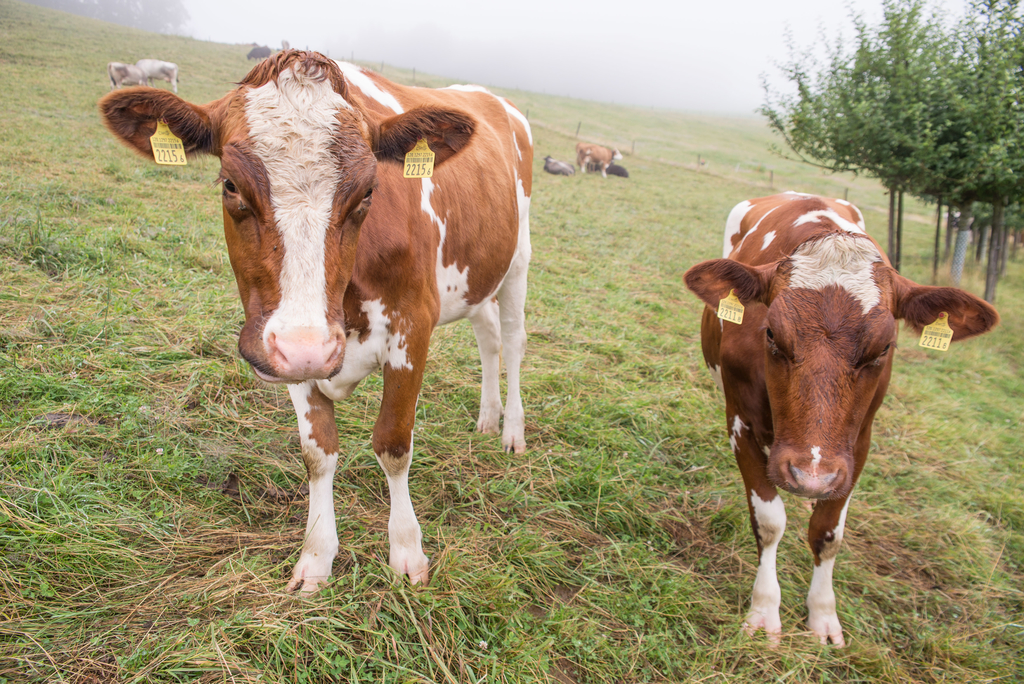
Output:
(771, 624)
(827, 629)
(310, 572)
(513, 443)
(414, 564)
(488, 422)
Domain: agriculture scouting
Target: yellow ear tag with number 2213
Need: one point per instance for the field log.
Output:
(938, 335)
(419, 161)
(731, 309)
(167, 147)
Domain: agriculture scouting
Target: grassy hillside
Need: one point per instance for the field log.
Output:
(151, 489)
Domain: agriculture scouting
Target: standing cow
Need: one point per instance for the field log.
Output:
(806, 370)
(345, 266)
(588, 153)
(124, 74)
(164, 71)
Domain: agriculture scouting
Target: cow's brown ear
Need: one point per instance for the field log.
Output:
(712, 281)
(920, 305)
(132, 114)
(446, 133)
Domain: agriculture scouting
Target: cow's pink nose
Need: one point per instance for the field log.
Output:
(304, 353)
(817, 486)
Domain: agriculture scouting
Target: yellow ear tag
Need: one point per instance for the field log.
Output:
(167, 147)
(419, 162)
(731, 309)
(938, 335)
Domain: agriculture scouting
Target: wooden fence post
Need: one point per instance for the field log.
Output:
(578, 128)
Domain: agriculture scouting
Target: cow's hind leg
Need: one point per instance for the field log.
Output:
(392, 444)
(319, 436)
(488, 339)
(825, 536)
(512, 305)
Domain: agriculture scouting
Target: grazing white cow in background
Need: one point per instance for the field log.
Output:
(124, 74)
(164, 71)
(344, 265)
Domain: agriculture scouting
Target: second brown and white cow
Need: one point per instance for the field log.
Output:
(160, 70)
(345, 266)
(807, 369)
(124, 74)
(589, 153)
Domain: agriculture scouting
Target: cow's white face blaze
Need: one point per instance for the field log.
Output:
(827, 344)
(292, 123)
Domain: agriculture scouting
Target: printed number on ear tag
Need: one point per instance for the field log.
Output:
(419, 162)
(938, 335)
(167, 147)
(731, 309)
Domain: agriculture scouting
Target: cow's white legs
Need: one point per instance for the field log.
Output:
(488, 341)
(767, 595)
(604, 171)
(316, 431)
(511, 304)
(822, 618)
(404, 534)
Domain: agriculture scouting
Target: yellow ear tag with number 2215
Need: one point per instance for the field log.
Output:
(167, 147)
(731, 309)
(938, 335)
(419, 161)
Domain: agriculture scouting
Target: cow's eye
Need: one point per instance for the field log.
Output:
(369, 194)
(885, 351)
(771, 335)
(229, 187)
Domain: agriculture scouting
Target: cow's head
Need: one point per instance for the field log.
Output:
(299, 164)
(616, 155)
(828, 333)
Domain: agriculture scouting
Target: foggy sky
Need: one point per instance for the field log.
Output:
(677, 55)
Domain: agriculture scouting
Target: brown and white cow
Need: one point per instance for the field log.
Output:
(124, 74)
(589, 153)
(806, 370)
(334, 288)
(160, 70)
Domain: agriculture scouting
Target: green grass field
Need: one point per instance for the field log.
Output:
(151, 489)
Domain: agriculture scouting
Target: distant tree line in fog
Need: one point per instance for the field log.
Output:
(161, 16)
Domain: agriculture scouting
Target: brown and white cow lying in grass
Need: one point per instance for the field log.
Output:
(345, 266)
(808, 367)
(588, 153)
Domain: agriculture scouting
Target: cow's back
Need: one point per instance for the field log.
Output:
(455, 208)
(763, 230)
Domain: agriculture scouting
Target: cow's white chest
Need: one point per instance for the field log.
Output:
(385, 343)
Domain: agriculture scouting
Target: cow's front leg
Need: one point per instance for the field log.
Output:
(825, 536)
(392, 443)
(768, 520)
(319, 435)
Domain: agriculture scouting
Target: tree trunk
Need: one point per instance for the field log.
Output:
(950, 225)
(1006, 247)
(963, 234)
(899, 234)
(938, 238)
(891, 250)
(995, 251)
(981, 234)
